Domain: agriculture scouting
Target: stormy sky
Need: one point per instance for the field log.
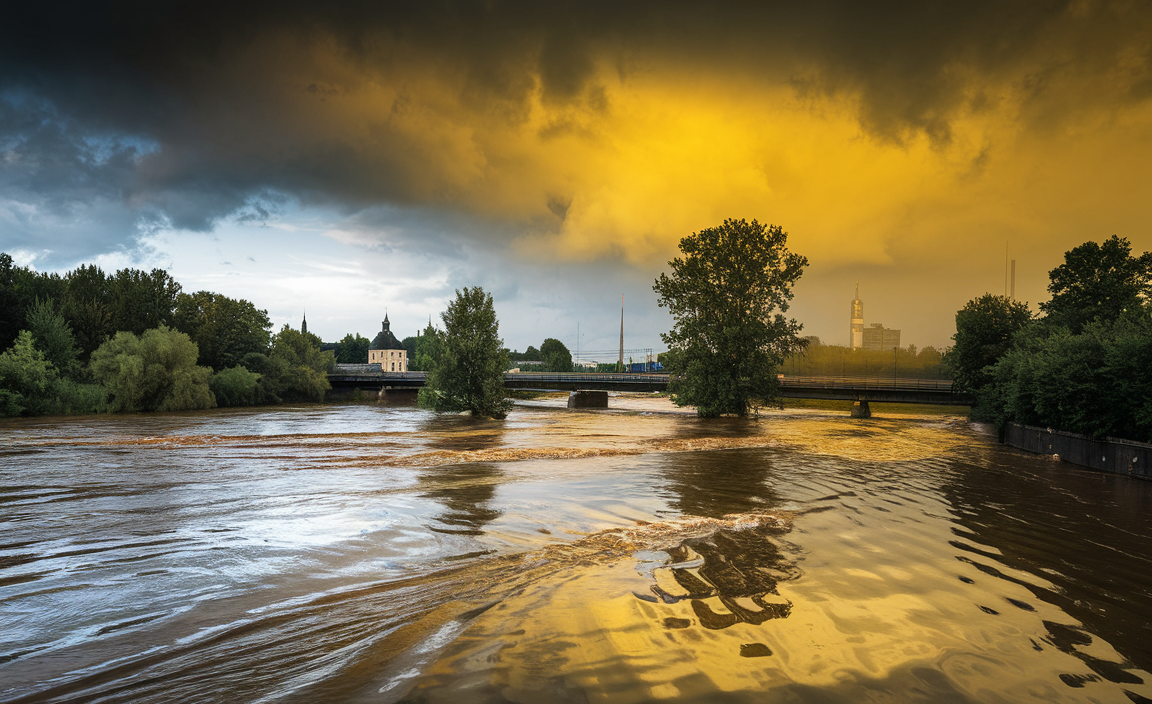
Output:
(351, 157)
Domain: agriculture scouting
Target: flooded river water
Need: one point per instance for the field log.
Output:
(378, 554)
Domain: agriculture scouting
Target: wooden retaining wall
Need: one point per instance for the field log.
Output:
(1113, 455)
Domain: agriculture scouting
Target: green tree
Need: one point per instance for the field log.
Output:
(1097, 281)
(985, 328)
(86, 307)
(727, 295)
(53, 336)
(296, 368)
(236, 387)
(11, 305)
(26, 378)
(531, 355)
(556, 356)
(410, 344)
(20, 288)
(1097, 382)
(140, 300)
(353, 349)
(467, 373)
(427, 349)
(156, 371)
(225, 329)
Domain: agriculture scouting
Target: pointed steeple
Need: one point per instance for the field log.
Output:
(304, 323)
(385, 340)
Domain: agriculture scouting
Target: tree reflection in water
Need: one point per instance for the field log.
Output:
(719, 483)
(464, 489)
(731, 576)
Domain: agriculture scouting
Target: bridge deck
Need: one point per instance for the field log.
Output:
(929, 391)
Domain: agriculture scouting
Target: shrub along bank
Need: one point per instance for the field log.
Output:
(1084, 366)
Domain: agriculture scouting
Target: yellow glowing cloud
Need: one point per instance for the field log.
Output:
(640, 158)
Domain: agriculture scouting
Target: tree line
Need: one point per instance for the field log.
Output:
(836, 360)
(1082, 364)
(128, 341)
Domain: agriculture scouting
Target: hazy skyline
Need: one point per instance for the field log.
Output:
(359, 157)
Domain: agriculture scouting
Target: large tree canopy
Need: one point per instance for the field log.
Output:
(1098, 281)
(467, 373)
(727, 295)
(225, 329)
(353, 349)
(556, 356)
(156, 371)
(985, 328)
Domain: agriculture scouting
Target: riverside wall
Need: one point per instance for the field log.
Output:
(1112, 455)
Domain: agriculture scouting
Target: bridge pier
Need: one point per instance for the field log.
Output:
(860, 409)
(588, 399)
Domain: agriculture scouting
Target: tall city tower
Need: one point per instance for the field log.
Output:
(620, 364)
(857, 319)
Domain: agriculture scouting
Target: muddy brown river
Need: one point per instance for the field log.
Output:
(369, 553)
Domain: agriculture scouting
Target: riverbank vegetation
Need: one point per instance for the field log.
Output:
(1083, 364)
(87, 342)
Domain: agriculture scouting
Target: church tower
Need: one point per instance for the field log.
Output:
(387, 351)
(304, 324)
(857, 320)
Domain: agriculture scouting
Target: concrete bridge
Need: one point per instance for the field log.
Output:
(862, 389)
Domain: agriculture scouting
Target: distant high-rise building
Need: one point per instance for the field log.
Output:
(881, 339)
(857, 338)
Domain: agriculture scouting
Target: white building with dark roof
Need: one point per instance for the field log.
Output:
(387, 351)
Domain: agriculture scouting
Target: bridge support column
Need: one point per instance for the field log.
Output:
(588, 399)
(860, 409)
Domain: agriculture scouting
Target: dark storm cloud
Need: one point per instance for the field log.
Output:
(190, 112)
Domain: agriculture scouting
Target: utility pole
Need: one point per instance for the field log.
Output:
(620, 363)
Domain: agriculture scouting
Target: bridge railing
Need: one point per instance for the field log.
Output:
(374, 374)
(562, 377)
(866, 383)
(808, 382)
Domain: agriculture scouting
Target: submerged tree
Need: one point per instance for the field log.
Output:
(727, 295)
(467, 373)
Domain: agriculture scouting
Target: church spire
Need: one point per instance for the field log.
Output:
(304, 323)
